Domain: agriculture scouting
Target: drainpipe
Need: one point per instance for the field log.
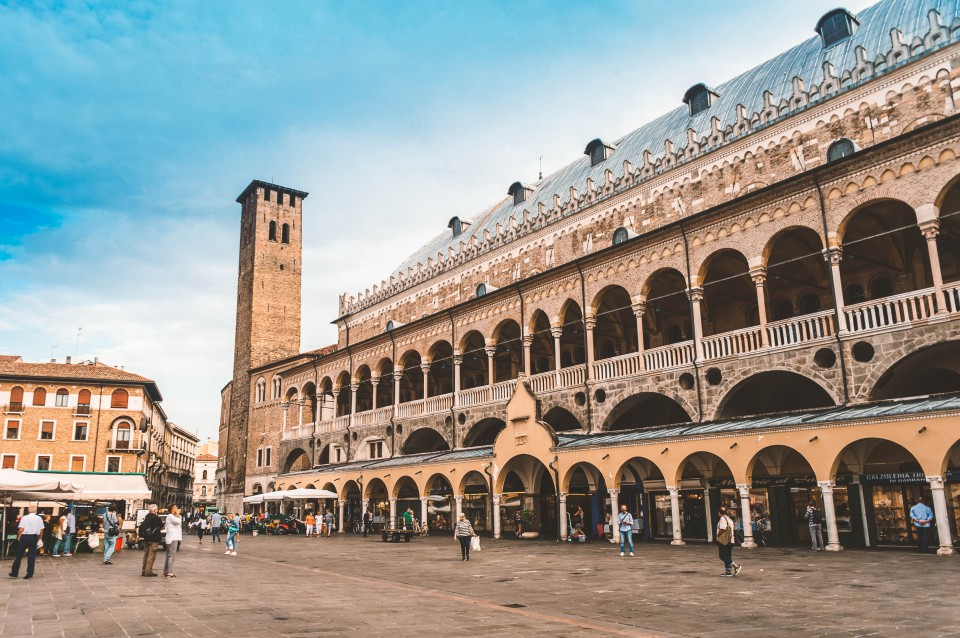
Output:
(556, 488)
(523, 331)
(346, 327)
(453, 367)
(696, 368)
(393, 406)
(833, 290)
(96, 436)
(586, 348)
(486, 470)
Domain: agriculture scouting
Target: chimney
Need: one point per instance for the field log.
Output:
(53, 360)
(96, 361)
(68, 359)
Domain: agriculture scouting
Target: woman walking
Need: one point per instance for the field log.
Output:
(464, 533)
(174, 534)
(724, 537)
(201, 527)
(233, 528)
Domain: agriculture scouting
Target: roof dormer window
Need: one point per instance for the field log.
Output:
(455, 226)
(519, 192)
(699, 98)
(598, 151)
(836, 26)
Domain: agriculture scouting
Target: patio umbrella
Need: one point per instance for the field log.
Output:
(256, 499)
(304, 494)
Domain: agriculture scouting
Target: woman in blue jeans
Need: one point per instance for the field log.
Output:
(232, 531)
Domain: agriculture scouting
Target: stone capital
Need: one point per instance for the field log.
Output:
(833, 255)
(457, 359)
(374, 381)
(826, 487)
(425, 367)
(744, 489)
(936, 482)
(491, 351)
(673, 489)
(759, 275)
(695, 294)
(527, 341)
(639, 308)
(613, 492)
(930, 229)
(556, 331)
(590, 323)
(354, 387)
(458, 498)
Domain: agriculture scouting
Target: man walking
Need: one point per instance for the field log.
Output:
(625, 524)
(29, 531)
(724, 538)
(815, 524)
(215, 522)
(921, 516)
(367, 522)
(111, 530)
(151, 531)
(70, 532)
(328, 520)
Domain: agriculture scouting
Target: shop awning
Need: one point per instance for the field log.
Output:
(256, 499)
(24, 484)
(274, 496)
(306, 494)
(96, 486)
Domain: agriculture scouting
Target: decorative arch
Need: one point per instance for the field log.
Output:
(773, 391)
(562, 420)
(615, 331)
(484, 432)
(475, 365)
(645, 409)
(932, 369)
(297, 460)
(424, 439)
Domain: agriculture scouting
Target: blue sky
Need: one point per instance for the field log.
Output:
(128, 129)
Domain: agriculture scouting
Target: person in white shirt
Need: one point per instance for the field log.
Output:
(174, 534)
(29, 530)
(725, 540)
(71, 530)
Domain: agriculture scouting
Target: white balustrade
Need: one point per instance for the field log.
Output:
(623, 366)
(952, 293)
(364, 418)
(439, 403)
(504, 390)
(732, 343)
(801, 329)
(670, 356)
(572, 376)
(325, 426)
(891, 311)
(474, 396)
(341, 422)
(543, 382)
(409, 409)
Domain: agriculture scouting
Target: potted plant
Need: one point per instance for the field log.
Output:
(531, 526)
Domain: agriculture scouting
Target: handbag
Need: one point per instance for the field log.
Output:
(475, 543)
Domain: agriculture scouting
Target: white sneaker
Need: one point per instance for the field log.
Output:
(227, 552)
(631, 553)
(621, 553)
(233, 553)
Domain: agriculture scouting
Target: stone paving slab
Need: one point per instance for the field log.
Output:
(300, 587)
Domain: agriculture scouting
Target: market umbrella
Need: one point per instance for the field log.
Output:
(256, 499)
(274, 496)
(304, 493)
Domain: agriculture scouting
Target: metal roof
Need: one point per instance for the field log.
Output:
(884, 409)
(806, 61)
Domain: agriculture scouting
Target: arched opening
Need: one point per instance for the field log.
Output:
(587, 501)
(884, 252)
(272, 232)
(440, 378)
(640, 482)
(706, 483)
(666, 320)
(484, 432)
(473, 370)
(309, 397)
(296, 461)
(932, 370)
(948, 239)
(529, 500)
(561, 420)
(440, 504)
(353, 512)
(285, 234)
(771, 392)
(408, 499)
(411, 381)
(615, 332)
(379, 501)
(323, 458)
(645, 409)
(797, 279)
(343, 393)
(364, 389)
(542, 358)
(729, 294)
(425, 440)
(385, 383)
(507, 360)
(952, 489)
(326, 406)
(782, 485)
(573, 351)
(878, 481)
(477, 504)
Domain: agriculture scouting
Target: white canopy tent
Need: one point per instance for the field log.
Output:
(306, 494)
(32, 486)
(273, 496)
(256, 499)
(97, 487)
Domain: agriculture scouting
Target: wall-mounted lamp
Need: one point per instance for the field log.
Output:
(664, 450)
(417, 472)
(815, 437)
(605, 457)
(386, 476)
(733, 445)
(922, 430)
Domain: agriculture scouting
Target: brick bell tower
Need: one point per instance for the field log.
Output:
(268, 307)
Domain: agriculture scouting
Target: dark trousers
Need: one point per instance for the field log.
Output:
(26, 545)
(149, 555)
(216, 534)
(726, 555)
(923, 537)
(366, 528)
(464, 546)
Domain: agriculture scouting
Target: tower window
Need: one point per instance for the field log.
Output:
(620, 235)
(840, 149)
(293, 200)
(279, 198)
(285, 234)
(273, 231)
(455, 226)
(266, 194)
(481, 290)
(835, 26)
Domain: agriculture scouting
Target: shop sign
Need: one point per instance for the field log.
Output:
(895, 478)
(782, 481)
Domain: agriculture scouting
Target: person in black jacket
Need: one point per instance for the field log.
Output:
(151, 531)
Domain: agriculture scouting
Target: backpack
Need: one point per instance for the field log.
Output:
(815, 516)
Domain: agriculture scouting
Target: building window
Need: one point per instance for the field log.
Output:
(119, 399)
(8, 462)
(293, 200)
(266, 194)
(835, 26)
(285, 234)
(620, 235)
(47, 430)
(124, 436)
(840, 149)
(83, 402)
(40, 397)
(267, 457)
(260, 458)
(338, 455)
(455, 226)
(275, 390)
(113, 464)
(481, 290)
(272, 234)
(62, 398)
(203, 490)
(16, 399)
(518, 192)
(376, 449)
(12, 431)
(698, 98)
(279, 198)
(44, 462)
(78, 463)
(80, 431)
(598, 151)
(204, 475)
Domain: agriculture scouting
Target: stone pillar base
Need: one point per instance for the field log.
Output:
(834, 547)
(945, 551)
(677, 541)
(748, 544)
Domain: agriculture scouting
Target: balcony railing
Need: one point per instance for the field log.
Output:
(804, 329)
(82, 410)
(14, 407)
(952, 294)
(572, 376)
(544, 381)
(625, 365)
(474, 396)
(670, 356)
(891, 311)
(504, 390)
(732, 343)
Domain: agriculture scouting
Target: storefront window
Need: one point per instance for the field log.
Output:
(475, 508)
(662, 516)
(890, 514)
(841, 502)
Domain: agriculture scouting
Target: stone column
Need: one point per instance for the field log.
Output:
(423, 512)
(759, 276)
(496, 516)
(393, 511)
(527, 345)
(300, 403)
(457, 362)
(459, 500)
(833, 255)
(830, 511)
(397, 376)
(340, 528)
(353, 398)
(746, 517)
(675, 514)
(638, 309)
(557, 333)
(364, 505)
(941, 513)
(425, 368)
(284, 422)
(589, 323)
(374, 382)
(614, 513)
(564, 531)
(706, 506)
(930, 230)
(335, 394)
(696, 296)
(491, 351)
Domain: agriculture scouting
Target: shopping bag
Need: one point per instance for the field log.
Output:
(93, 540)
(475, 543)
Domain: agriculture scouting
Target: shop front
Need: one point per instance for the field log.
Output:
(475, 504)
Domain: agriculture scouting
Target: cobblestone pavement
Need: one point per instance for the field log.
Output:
(294, 586)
